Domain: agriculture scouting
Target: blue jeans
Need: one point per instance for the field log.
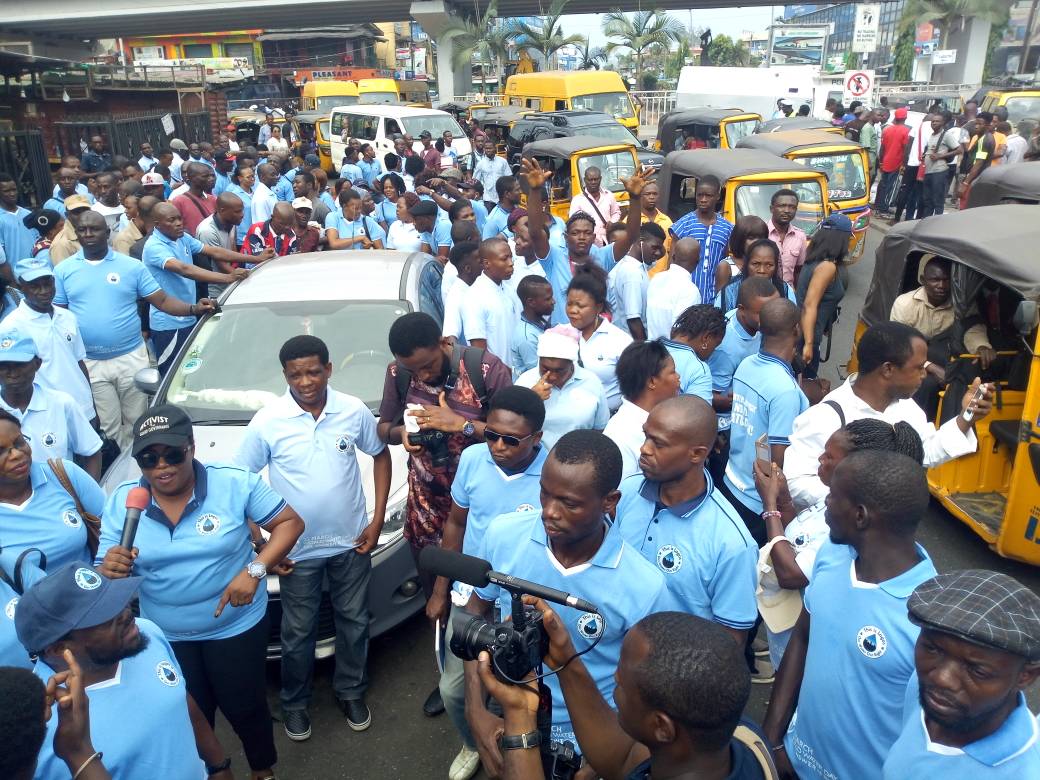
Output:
(453, 684)
(933, 194)
(348, 575)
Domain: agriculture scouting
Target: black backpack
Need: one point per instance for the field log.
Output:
(472, 358)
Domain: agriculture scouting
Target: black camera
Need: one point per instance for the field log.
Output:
(435, 443)
(515, 648)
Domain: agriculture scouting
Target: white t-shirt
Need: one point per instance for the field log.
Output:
(489, 313)
(403, 237)
(668, 295)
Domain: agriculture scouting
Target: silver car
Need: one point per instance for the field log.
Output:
(229, 368)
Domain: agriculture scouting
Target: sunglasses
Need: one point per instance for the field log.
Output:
(510, 441)
(172, 457)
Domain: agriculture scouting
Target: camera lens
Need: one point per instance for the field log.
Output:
(471, 635)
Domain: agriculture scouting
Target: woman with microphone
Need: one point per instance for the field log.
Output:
(202, 583)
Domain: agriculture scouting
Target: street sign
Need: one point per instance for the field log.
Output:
(167, 124)
(944, 57)
(858, 84)
(865, 33)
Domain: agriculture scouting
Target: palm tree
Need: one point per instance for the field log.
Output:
(951, 13)
(642, 32)
(589, 57)
(547, 36)
(483, 36)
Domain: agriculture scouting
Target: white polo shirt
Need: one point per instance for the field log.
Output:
(453, 299)
(55, 426)
(599, 354)
(314, 467)
(60, 346)
(669, 294)
(488, 312)
(625, 429)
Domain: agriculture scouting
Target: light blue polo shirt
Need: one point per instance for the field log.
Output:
(351, 173)
(496, 221)
(694, 374)
(55, 426)
(15, 237)
(348, 229)
(558, 233)
(707, 555)
(103, 296)
(859, 661)
(157, 250)
(222, 183)
(486, 491)
(25, 572)
(557, 266)
(617, 580)
(480, 212)
(369, 170)
(766, 399)
(283, 187)
(138, 719)
(736, 345)
(1012, 752)
(49, 521)
(581, 404)
(314, 466)
(186, 567)
(439, 236)
(523, 348)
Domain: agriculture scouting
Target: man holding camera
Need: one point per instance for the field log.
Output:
(443, 389)
(568, 545)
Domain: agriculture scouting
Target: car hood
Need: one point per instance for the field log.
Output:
(649, 159)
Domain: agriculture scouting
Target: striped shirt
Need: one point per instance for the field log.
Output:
(714, 241)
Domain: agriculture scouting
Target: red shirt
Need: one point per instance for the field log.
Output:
(261, 236)
(193, 210)
(893, 146)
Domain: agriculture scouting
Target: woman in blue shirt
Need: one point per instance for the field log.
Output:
(242, 181)
(202, 582)
(386, 209)
(763, 259)
(35, 510)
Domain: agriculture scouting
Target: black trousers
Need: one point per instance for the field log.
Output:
(230, 674)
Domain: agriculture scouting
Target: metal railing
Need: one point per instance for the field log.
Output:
(137, 76)
(653, 105)
(22, 156)
(247, 104)
(124, 134)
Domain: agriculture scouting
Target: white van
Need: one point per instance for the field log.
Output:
(378, 124)
(749, 89)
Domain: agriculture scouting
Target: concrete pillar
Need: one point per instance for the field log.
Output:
(433, 16)
(970, 44)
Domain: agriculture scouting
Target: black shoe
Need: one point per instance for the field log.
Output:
(434, 705)
(297, 725)
(359, 717)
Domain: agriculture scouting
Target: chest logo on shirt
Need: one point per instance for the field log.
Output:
(525, 508)
(71, 518)
(345, 444)
(68, 337)
(669, 559)
(6, 342)
(871, 641)
(207, 524)
(112, 278)
(87, 579)
(590, 625)
(166, 673)
(9, 608)
(49, 440)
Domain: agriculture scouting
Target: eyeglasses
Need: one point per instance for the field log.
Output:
(21, 443)
(172, 457)
(510, 441)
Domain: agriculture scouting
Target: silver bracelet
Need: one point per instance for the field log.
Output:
(86, 763)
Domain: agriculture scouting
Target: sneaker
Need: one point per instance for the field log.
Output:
(465, 765)
(763, 671)
(297, 725)
(359, 717)
(760, 647)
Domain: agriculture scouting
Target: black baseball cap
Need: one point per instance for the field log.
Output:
(166, 424)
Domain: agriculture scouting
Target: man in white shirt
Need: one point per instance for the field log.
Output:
(465, 259)
(1018, 141)
(489, 311)
(597, 202)
(310, 439)
(909, 196)
(264, 198)
(488, 170)
(647, 376)
(892, 361)
(628, 281)
(107, 203)
(672, 291)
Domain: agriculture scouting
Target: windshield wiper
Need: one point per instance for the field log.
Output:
(219, 421)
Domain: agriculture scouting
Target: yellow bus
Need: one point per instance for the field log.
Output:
(560, 90)
(323, 96)
(377, 91)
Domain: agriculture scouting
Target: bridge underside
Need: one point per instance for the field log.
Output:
(125, 18)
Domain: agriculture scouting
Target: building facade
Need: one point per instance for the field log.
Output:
(841, 19)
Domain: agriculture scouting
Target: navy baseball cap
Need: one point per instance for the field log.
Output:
(74, 596)
(313, 160)
(837, 221)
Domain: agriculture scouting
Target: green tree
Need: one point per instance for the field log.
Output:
(676, 60)
(949, 14)
(545, 36)
(590, 57)
(903, 55)
(642, 33)
(483, 37)
(724, 51)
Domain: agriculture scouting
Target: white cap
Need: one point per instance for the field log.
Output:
(303, 203)
(560, 342)
(152, 179)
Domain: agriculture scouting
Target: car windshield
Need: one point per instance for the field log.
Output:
(328, 102)
(617, 104)
(324, 125)
(846, 179)
(230, 369)
(1022, 107)
(755, 198)
(368, 98)
(613, 165)
(435, 123)
(737, 130)
(612, 131)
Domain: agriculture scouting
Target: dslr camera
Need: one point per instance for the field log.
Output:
(435, 443)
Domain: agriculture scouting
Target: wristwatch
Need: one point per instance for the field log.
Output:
(520, 741)
(218, 768)
(468, 429)
(257, 570)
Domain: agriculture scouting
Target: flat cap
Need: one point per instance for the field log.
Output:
(424, 208)
(981, 606)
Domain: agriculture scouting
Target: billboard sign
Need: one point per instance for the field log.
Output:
(797, 44)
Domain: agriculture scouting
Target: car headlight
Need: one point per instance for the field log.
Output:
(394, 524)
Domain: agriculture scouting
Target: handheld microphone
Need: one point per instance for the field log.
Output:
(137, 500)
(478, 573)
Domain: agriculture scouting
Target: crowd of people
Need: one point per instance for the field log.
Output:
(598, 402)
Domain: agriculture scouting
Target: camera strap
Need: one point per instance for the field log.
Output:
(470, 357)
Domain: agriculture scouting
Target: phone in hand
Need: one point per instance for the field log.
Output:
(762, 451)
(978, 395)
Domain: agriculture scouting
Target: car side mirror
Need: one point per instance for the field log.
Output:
(1025, 317)
(147, 380)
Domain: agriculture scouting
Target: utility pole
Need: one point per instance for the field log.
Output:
(1029, 35)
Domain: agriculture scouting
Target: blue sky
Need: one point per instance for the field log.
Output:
(731, 21)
